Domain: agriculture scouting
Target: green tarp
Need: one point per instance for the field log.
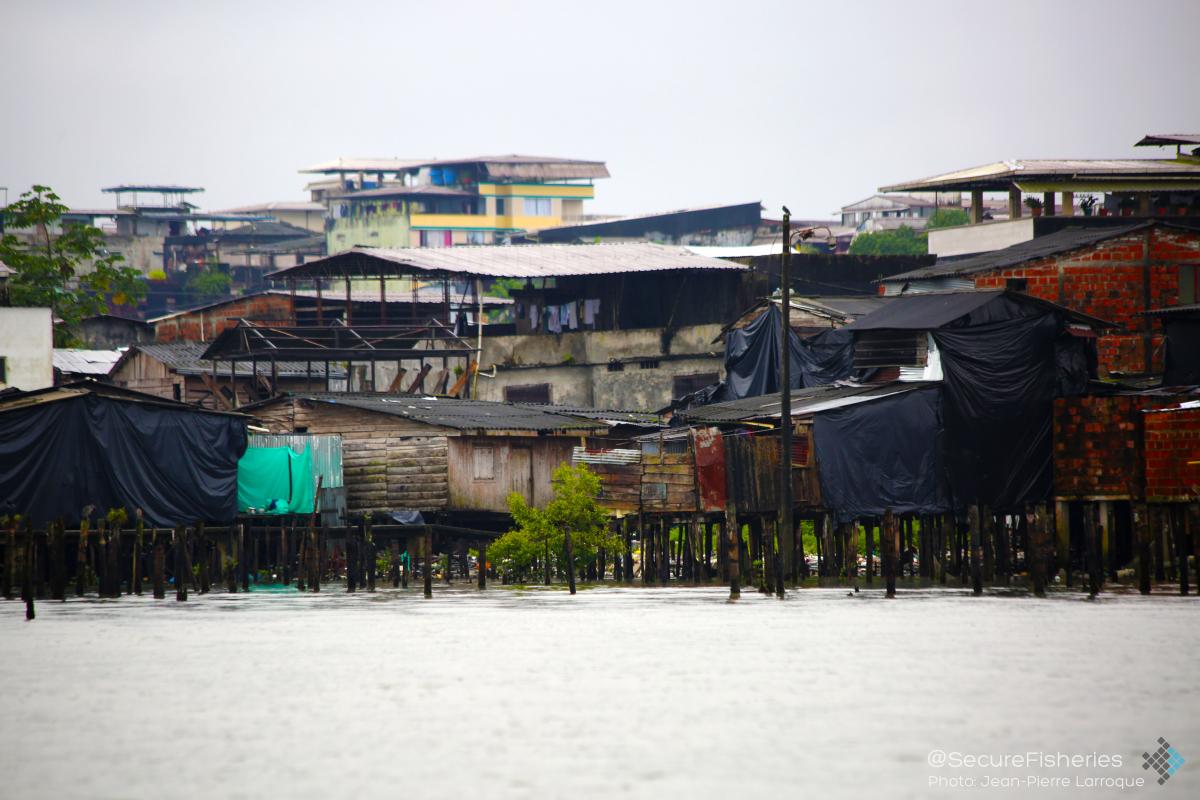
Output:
(275, 480)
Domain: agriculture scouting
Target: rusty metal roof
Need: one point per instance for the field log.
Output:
(464, 415)
(508, 261)
(1061, 241)
(185, 358)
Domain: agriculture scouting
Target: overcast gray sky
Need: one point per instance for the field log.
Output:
(805, 103)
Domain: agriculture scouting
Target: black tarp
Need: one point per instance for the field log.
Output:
(752, 364)
(179, 466)
(1000, 381)
(1183, 352)
(882, 454)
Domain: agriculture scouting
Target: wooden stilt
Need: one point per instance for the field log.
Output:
(1062, 540)
(243, 562)
(394, 563)
(889, 544)
(1091, 538)
(58, 567)
(1035, 551)
(408, 555)
(138, 544)
(179, 562)
(202, 555)
(427, 559)
(159, 582)
(10, 559)
(732, 553)
(27, 590)
(1141, 533)
(975, 520)
(1182, 544)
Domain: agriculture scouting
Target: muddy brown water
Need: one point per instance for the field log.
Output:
(657, 693)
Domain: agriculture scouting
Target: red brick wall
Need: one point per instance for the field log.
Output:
(1097, 446)
(1107, 281)
(1172, 439)
(203, 325)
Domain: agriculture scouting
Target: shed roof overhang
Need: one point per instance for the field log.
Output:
(1133, 174)
(337, 343)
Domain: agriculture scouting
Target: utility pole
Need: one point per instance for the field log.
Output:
(784, 528)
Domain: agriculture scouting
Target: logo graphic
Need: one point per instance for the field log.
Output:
(1166, 760)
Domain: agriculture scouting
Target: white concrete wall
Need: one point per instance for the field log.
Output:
(27, 347)
(982, 238)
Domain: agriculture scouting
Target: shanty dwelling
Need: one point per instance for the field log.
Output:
(307, 307)
(123, 466)
(112, 332)
(1121, 469)
(74, 364)
(1118, 272)
(614, 325)
(452, 460)
(1181, 334)
(178, 371)
(966, 432)
(838, 478)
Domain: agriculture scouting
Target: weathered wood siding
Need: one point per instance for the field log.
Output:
(668, 480)
(518, 463)
(388, 462)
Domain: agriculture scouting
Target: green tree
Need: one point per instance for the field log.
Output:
(903, 241)
(947, 218)
(571, 529)
(208, 284)
(71, 273)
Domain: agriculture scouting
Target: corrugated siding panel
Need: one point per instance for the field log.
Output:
(326, 450)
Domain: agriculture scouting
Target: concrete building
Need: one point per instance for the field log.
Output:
(26, 348)
(733, 225)
(1043, 188)
(305, 214)
(627, 326)
(441, 203)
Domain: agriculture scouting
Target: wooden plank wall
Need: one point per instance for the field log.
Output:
(468, 493)
(668, 481)
(388, 462)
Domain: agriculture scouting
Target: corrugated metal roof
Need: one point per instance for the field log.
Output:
(587, 223)
(617, 455)
(339, 165)
(1060, 241)
(276, 205)
(611, 416)
(1001, 173)
(1191, 308)
(85, 362)
(184, 358)
(540, 168)
(805, 402)
(1159, 139)
(458, 414)
(169, 188)
(511, 261)
(6, 270)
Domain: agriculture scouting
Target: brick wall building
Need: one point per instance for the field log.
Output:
(1172, 447)
(1115, 273)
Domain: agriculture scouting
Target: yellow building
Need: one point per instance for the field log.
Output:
(441, 203)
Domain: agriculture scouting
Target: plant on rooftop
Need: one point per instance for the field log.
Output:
(71, 273)
(903, 241)
(947, 218)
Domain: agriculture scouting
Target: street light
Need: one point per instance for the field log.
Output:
(785, 411)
